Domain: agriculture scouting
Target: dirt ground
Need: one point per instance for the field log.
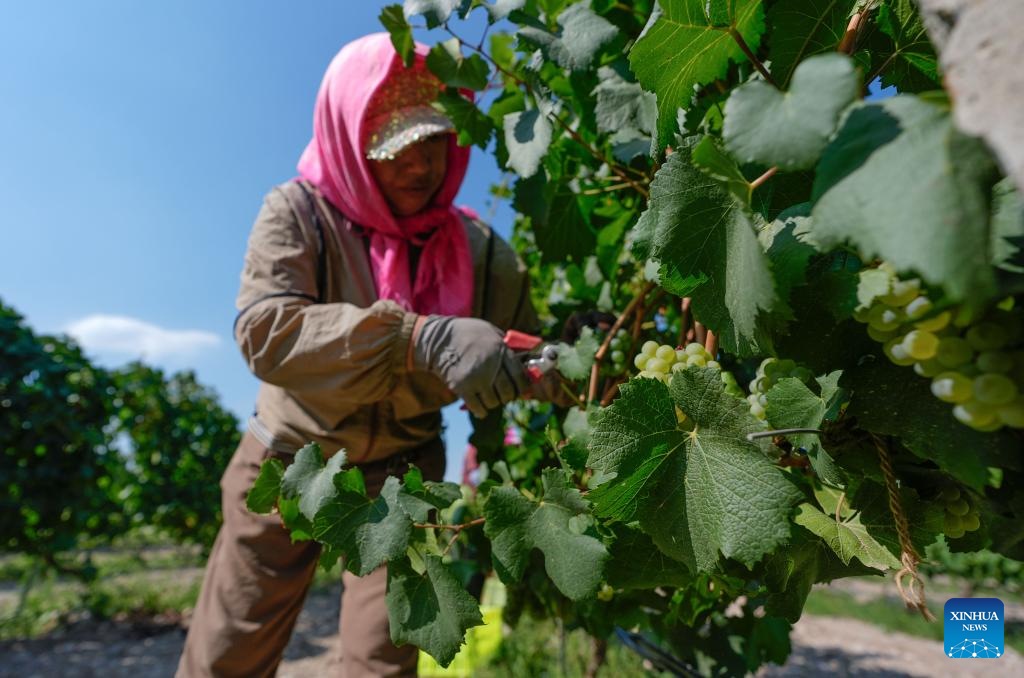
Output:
(150, 648)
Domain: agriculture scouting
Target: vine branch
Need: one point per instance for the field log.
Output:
(764, 177)
(753, 57)
(603, 349)
(564, 125)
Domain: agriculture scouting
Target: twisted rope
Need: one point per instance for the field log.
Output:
(912, 593)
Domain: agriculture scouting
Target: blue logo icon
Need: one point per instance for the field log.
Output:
(973, 628)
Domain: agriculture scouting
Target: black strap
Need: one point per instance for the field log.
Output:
(321, 251)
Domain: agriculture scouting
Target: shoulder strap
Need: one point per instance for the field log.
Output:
(321, 247)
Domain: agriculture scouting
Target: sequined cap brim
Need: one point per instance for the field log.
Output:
(403, 128)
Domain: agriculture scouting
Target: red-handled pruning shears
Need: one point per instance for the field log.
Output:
(540, 365)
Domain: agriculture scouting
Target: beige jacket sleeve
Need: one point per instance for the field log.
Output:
(289, 340)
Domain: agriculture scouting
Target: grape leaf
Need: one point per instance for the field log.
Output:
(708, 249)
(1007, 227)
(687, 46)
(392, 18)
(431, 610)
(446, 61)
(562, 231)
(697, 493)
(623, 106)
(527, 136)
(793, 571)
(902, 184)
(892, 400)
(790, 129)
(368, 531)
(300, 527)
(714, 162)
(500, 9)
(311, 480)
(901, 51)
(636, 563)
(471, 125)
(418, 497)
(582, 33)
(436, 12)
(924, 519)
(791, 404)
(786, 241)
(849, 539)
(262, 496)
(515, 525)
(575, 361)
(801, 28)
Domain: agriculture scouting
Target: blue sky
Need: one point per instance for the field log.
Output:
(137, 140)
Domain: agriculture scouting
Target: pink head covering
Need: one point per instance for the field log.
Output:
(335, 162)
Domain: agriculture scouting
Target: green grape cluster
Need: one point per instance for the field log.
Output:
(962, 515)
(769, 372)
(975, 363)
(659, 361)
(619, 344)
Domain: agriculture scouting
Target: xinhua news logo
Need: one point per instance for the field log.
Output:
(973, 628)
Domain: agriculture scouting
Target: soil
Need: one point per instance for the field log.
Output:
(149, 648)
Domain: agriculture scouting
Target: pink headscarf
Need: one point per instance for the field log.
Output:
(335, 162)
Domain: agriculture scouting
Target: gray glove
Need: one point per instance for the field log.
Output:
(469, 355)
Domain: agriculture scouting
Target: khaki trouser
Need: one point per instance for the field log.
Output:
(256, 581)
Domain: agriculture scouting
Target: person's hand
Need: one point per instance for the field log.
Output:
(469, 355)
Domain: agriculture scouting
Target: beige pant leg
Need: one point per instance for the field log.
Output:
(255, 584)
(366, 647)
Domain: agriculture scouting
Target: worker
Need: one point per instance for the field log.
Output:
(368, 302)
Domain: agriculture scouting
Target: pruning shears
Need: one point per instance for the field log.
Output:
(543, 362)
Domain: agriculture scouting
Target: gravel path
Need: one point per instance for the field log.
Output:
(149, 649)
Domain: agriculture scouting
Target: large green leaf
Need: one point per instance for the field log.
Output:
(262, 496)
(368, 531)
(446, 61)
(1007, 227)
(848, 538)
(392, 18)
(636, 563)
(902, 184)
(471, 124)
(582, 33)
(435, 11)
(790, 129)
(555, 525)
(623, 105)
(575, 361)
(793, 571)
(527, 136)
(801, 28)
(311, 480)
(431, 610)
(924, 518)
(697, 493)
(418, 497)
(688, 44)
(713, 161)
(901, 51)
(786, 241)
(791, 404)
(708, 249)
(892, 400)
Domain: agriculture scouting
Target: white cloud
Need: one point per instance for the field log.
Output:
(115, 336)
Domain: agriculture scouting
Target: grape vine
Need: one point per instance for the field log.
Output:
(716, 173)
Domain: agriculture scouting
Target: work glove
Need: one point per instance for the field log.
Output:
(469, 356)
